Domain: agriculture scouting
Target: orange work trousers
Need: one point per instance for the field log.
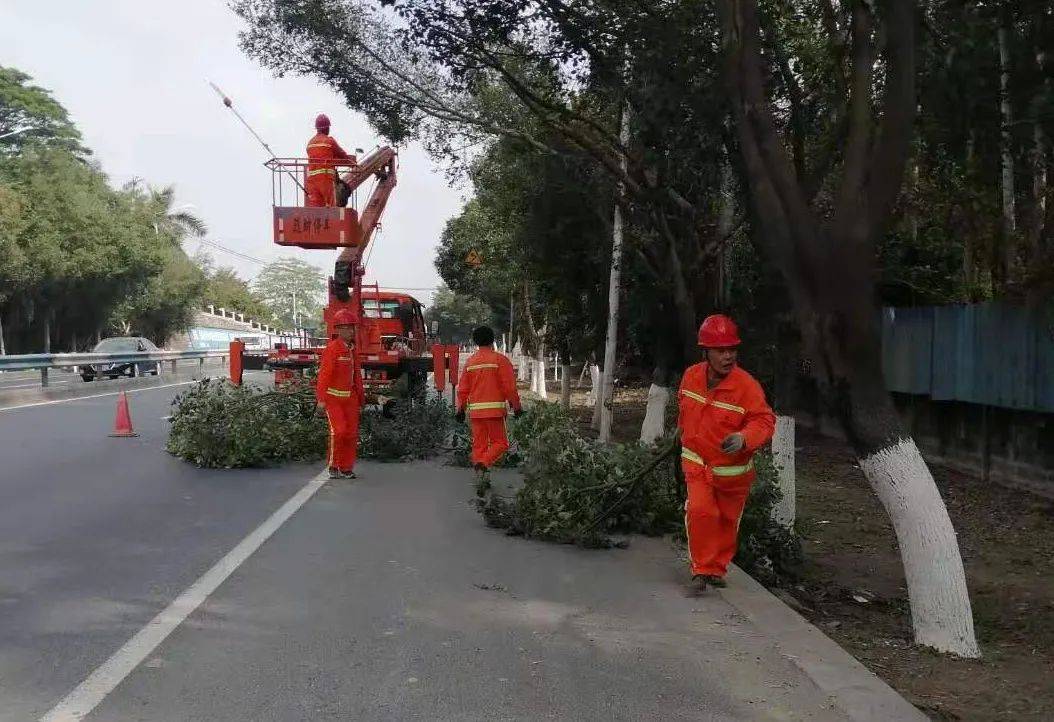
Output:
(343, 416)
(321, 191)
(711, 516)
(489, 440)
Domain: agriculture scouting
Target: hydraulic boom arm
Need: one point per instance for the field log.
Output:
(382, 164)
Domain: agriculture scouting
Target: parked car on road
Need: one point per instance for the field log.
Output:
(122, 344)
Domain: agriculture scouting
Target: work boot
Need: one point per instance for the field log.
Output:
(349, 474)
(334, 472)
(482, 481)
(715, 581)
(697, 587)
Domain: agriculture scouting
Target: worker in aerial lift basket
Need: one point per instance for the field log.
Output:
(723, 419)
(487, 384)
(324, 187)
(340, 391)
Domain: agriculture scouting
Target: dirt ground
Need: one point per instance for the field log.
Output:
(853, 585)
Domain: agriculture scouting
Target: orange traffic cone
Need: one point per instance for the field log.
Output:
(122, 425)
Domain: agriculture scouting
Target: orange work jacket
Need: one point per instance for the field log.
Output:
(338, 374)
(486, 384)
(706, 416)
(320, 149)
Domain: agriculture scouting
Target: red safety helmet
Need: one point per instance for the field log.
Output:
(718, 331)
(344, 317)
(322, 123)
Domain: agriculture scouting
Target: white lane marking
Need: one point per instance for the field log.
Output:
(95, 396)
(88, 694)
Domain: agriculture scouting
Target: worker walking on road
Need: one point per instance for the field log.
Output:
(487, 385)
(322, 177)
(340, 391)
(723, 420)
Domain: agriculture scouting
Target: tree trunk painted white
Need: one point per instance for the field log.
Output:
(582, 376)
(607, 381)
(940, 604)
(565, 385)
(538, 377)
(654, 426)
(594, 394)
(783, 457)
(1005, 145)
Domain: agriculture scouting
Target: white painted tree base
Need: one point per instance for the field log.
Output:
(940, 603)
(538, 378)
(783, 456)
(654, 426)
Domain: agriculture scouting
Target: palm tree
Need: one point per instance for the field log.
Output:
(176, 223)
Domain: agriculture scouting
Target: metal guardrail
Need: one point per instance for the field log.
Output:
(47, 361)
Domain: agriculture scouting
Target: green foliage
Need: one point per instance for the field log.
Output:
(225, 289)
(416, 431)
(29, 106)
(577, 490)
(77, 256)
(293, 290)
(457, 315)
(215, 424)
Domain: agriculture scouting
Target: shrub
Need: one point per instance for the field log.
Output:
(580, 491)
(416, 431)
(216, 424)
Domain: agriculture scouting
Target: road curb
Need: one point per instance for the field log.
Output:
(848, 684)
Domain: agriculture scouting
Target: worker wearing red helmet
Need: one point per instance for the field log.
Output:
(723, 420)
(322, 178)
(487, 386)
(340, 391)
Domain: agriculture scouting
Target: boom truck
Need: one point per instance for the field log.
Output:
(391, 337)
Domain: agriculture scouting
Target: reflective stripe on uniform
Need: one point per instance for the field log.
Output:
(473, 367)
(719, 404)
(321, 171)
(693, 395)
(486, 405)
(728, 407)
(318, 145)
(340, 393)
(693, 457)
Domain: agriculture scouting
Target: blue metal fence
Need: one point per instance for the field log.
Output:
(987, 353)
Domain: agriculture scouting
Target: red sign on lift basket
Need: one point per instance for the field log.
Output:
(316, 227)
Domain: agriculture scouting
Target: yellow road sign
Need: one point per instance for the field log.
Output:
(474, 259)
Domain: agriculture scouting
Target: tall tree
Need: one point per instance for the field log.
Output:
(825, 247)
(29, 115)
(293, 290)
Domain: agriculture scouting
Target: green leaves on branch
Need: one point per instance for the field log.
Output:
(407, 432)
(579, 491)
(216, 424)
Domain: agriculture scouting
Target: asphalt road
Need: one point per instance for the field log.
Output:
(98, 534)
(380, 599)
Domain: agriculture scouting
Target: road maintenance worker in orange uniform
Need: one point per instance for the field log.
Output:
(723, 420)
(487, 384)
(321, 173)
(340, 391)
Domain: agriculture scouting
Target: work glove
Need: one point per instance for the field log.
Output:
(733, 443)
(460, 416)
(517, 413)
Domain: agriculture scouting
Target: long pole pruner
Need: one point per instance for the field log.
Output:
(230, 104)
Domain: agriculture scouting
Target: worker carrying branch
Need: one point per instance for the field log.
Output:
(324, 187)
(340, 391)
(487, 384)
(723, 420)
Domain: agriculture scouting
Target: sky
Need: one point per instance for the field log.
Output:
(134, 77)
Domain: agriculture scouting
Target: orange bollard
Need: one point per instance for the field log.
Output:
(236, 361)
(122, 424)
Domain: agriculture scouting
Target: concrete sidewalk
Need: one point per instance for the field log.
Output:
(387, 598)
